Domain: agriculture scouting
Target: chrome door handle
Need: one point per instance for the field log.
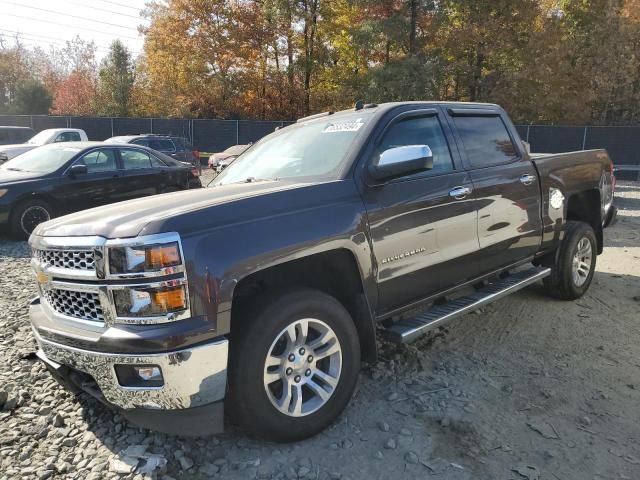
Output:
(460, 193)
(527, 179)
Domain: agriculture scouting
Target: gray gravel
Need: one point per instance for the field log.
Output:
(528, 388)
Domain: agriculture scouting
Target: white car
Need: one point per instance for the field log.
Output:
(51, 135)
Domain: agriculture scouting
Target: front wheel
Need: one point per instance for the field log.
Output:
(574, 263)
(294, 366)
(26, 216)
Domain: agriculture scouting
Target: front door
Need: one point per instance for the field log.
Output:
(98, 186)
(506, 189)
(422, 226)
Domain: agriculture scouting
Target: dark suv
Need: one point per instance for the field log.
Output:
(172, 145)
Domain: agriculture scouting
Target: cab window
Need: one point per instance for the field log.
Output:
(99, 161)
(134, 159)
(68, 137)
(425, 130)
(485, 139)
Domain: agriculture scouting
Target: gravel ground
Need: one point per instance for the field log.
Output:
(528, 388)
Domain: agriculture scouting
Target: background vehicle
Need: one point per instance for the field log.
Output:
(10, 135)
(60, 178)
(172, 145)
(403, 214)
(221, 160)
(52, 135)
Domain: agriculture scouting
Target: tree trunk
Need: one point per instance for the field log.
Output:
(412, 32)
(310, 24)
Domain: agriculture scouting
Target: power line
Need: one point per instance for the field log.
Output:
(80, 4)
(120, 5)
(87, 19)
(53, 40)
(112, 34)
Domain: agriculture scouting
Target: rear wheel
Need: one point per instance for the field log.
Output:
(294, 366)
(574, 263)
(26, 216)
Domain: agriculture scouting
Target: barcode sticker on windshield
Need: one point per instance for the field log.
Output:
(343, 126)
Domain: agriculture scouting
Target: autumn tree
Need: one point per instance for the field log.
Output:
(75, 95)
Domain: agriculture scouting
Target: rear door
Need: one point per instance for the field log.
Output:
(142, 177)
(422, 226)
(505, 185)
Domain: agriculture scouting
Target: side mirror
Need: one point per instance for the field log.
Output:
(400, 161)
(78, 170)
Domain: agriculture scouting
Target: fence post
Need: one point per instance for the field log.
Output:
(584, 138)
(31, 121)
(112, 126)
(528, 130)
(151, 127)
(237, 132)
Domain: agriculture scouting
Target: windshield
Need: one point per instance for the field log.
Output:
(315, 149)
(44, 159)
(40, 139)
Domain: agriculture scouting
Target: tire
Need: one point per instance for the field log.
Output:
(565, 281)
(255, 388)
(27, 215)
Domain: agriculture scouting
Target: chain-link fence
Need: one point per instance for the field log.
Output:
(622, 143)
(205, 135)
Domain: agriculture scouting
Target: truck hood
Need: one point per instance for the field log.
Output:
(183, 211)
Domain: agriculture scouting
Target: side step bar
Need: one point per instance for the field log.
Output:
(409, 329)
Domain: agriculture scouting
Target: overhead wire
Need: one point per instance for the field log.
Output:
(69, 15)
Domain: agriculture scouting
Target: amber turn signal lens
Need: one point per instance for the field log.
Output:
(162, 257)
(168, 300)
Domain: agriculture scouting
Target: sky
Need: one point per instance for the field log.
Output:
(48, 23)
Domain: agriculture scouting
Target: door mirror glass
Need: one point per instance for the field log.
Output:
(400, 161)
(78, 170)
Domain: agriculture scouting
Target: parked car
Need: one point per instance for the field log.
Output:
(396, 217)
(176, 147)
(56, 179)
(221, 160)
(9, 135)
(51, 135)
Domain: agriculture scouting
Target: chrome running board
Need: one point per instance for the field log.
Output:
(409, 329)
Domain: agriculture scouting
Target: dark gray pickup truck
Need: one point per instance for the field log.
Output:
(264, 292)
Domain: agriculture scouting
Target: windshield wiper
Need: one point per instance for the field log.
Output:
(13, 169)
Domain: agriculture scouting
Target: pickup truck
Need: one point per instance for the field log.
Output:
(390, 218)
(45, 137)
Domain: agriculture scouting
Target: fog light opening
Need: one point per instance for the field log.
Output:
(139, 376)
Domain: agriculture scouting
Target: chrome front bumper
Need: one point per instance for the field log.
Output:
(193, 377)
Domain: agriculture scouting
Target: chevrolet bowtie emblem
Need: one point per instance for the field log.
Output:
(42, 277)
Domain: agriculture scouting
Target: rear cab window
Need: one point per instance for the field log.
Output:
(485, 140)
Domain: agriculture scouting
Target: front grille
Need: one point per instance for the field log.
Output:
(81, 305)
(70, 259)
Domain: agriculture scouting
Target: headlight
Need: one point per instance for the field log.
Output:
(3, 192)
(150, 302)
(146, 258)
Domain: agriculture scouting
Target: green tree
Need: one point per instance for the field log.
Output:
(31, 98)
(115, 82)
